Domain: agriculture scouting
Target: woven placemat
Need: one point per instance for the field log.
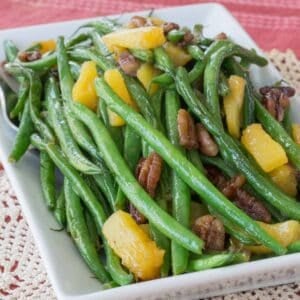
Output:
(22, 273)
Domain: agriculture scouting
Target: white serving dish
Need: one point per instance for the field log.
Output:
(68, 273)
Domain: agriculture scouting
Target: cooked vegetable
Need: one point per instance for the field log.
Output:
(285, 178)
(296, 133)
(233, 104)
(145, 75)
(84, 90)
(285, 233)
(137, 38)
(138, 252)
(268, 153)
(177, 54)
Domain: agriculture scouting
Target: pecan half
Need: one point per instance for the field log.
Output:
(167, 27)
(148, 172)
(128, 63)
(221, 36)
(187, 39)
(186, 130)
(26, 56)
(211, 231)
(137, 21)
(207, 145)
(276, 100)
(232, 189)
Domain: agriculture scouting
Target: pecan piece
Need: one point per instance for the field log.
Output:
(149, 171)
(207, 145)
(186, 130)
(232, 189)
(169, 26)
(187, 39)
(221, 36)
(211, 231)
(276, 100)
(137, 216)
(137, 21)
(26, 56)
(128, 63)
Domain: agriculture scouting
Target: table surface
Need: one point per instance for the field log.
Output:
(271, 23)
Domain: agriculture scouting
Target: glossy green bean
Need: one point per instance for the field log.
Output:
(80, 233)
(195, 52)
(294, 247)
(163, 61)
(175, 35)
(145, 55)
(134, 192)
(180, 191)
(10, 50)
(60, 209)
(47, 176)
(22, 98)
(182, 166)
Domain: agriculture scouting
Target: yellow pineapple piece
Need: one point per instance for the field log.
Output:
(267, 152)
(285, 178)
(177, 54)
(47, 45)
(285, 233)
(84, 90)
(137, 251)
(233, 103)
(145, 74)
(114, 79)
(136, 38)
(296, 133)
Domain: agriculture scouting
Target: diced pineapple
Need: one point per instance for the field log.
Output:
(47, 46)
(84, 89)
(136, 38)
(115, 80)
(267, 152)
(177, 54)
(233, 103)
(135, 248)
(145, 74)
(285, 178)
(296, 133)
(285, 233)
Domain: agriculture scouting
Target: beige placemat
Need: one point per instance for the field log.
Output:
(22, 273)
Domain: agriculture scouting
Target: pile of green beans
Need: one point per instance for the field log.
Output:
(97, 161)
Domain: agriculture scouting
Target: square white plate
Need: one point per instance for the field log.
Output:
(68, 273)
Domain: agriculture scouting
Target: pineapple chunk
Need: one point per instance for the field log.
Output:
(178, 55)
(138, 252)
(285, 233)
(47, 45)
(145, 74)
(137, 38)
(267, 152)
(114, 79)
(296, 133)
(84, 90)
(285, 178)
(233, 103)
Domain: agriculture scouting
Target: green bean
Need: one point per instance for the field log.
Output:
(66, 140)
(41, 65)
(100, 46)
(102, 26)
(180, 191)
(212, 71)
(75, 40)
(235, 156)
(294, 247)
(11, 50)
(60, 208)
(175, 35)
(80, 234)
(145, 55)
(163, 61)
(90, 201)
(74, 69)
(287, 121)
(210, 261)
(92, 229)
(163, 79)
(278, 133)
(223, 88)
(132, 153)
(47, 175)
(131, 188)
(22, 98)
(195, 52)
(35, 90)
(115, 132)
(156, 101)
(194, 158)
(82, 54)
(181, 165)
(22, 139)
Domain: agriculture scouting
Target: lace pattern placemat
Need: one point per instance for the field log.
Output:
(22, 273)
